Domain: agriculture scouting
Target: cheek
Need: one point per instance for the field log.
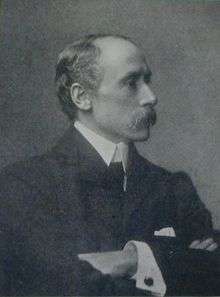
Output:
(116, 107)
(112, 102)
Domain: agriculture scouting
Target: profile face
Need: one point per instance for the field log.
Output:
(123, 107)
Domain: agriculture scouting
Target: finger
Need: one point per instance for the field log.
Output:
(194, 244)
(212, 247)
(205, 244)
(84, 257)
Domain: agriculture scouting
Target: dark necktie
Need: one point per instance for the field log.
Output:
(116, 172)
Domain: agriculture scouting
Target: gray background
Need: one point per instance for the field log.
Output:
(182, 44)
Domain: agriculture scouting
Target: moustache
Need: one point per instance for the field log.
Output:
(152, 117)
(144, 118)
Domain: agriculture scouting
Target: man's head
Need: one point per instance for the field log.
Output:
(103, 80)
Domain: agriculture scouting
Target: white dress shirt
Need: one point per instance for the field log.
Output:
(147, 267)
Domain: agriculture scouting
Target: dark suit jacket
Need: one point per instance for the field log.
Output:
(66, 202)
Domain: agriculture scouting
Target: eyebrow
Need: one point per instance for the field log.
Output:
(136, 75)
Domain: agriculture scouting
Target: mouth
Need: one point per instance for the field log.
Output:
(147, 118)
(144, 119)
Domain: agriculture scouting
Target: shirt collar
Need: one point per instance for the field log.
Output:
(109, 151)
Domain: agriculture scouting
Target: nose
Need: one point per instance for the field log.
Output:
(148, 97)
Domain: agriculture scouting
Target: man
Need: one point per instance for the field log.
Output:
(92, 217)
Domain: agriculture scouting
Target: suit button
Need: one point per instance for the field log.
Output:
(149, 281)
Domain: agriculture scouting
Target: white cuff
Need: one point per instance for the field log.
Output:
(148, 275)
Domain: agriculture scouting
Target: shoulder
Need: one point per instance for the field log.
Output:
(32, 184)
(26, 169)
(176, 188)
(164, 173)
(179, 182)
(36, 172)
(23, 181)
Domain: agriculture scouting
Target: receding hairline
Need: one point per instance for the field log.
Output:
(94, 40)
(100, 41)
(96, 37)
(112, 36)
(80, 62)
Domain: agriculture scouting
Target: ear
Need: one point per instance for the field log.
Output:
(79, 97)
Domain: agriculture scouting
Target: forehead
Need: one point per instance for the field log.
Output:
(119, 56)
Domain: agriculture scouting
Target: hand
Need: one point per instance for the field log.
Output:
(116, 264)
(207, 244)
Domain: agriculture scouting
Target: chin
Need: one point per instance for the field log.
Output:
(140, 136)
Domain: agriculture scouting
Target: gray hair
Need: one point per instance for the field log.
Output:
(78, 63)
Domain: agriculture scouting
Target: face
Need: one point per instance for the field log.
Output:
(123, 106)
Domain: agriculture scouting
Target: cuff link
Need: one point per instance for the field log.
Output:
(148, 281)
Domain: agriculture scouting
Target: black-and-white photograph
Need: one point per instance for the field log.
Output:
(109, 148)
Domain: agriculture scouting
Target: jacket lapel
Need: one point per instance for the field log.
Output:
(142, 197)
(77, 152)
(81, 161)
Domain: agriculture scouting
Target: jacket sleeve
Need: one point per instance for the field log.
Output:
(192, 219)
(35, 262)
(187, 272)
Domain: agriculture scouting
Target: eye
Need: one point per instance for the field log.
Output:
(132, 83)
(147, 79)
